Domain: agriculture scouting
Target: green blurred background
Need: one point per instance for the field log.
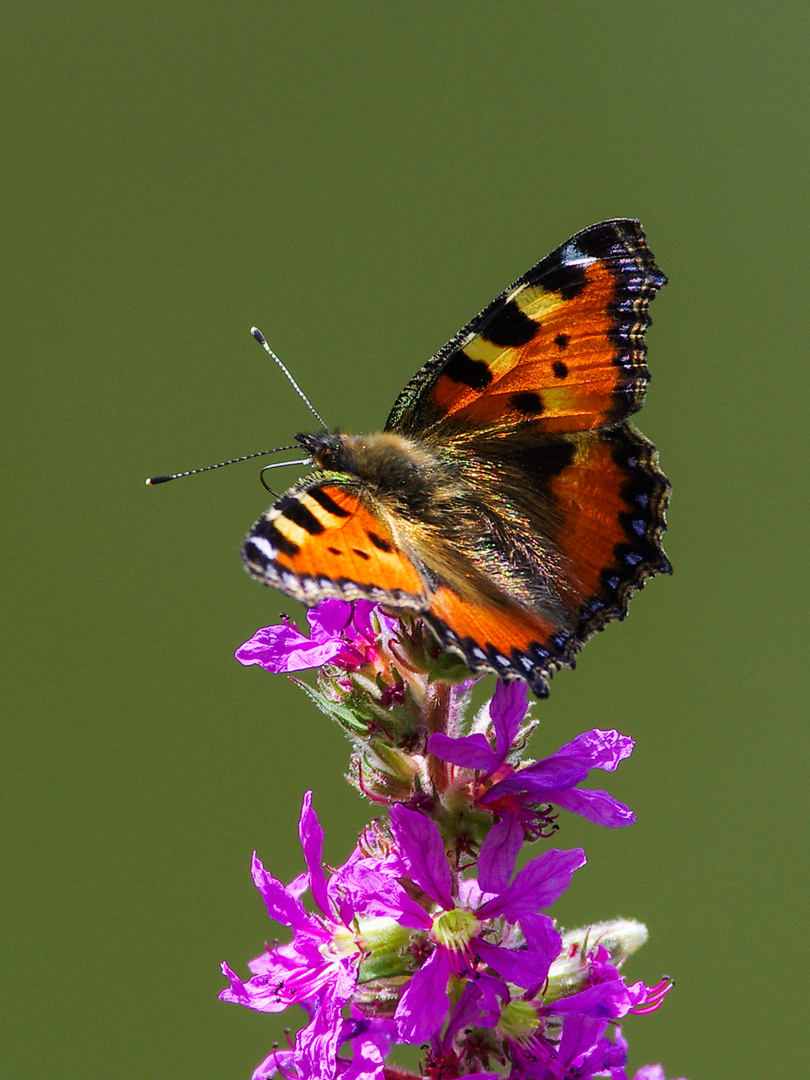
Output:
(358, 179)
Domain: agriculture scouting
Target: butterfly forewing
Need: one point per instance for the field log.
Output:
(564, 344)
(326, 538)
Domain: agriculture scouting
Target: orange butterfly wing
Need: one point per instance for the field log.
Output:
(576, 529)
(562, 346)
(324, 538)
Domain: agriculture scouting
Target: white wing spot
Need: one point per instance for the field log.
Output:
(572, 256)
(264, 546)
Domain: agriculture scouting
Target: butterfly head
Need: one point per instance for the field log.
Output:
(325, 449)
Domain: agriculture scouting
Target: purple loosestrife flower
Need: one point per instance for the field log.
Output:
(507, 791)
(318, 969)
(464, 919)
(554, 1033)
(341, 633)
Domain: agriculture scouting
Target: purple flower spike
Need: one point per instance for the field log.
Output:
(427, 934)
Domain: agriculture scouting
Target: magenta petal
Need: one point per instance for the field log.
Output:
(467, 1010)
(275, 1062)
(538, 779)
(496, 861)
(494, 995)
(368, 1062)
(424, 1002)
(580, 1048)
(237, 992)
(540, 935)
(597, 749)
(607, 1001)
(259, 994)
(317, 1045)
(422, 849)
(597, 806)
(311, 834)
(517, 966)
(283, 648)
(281, 906)
(537, 885)
(329, 618)
(368, 892)
(507, 710)
(361, 625)
(468, 751)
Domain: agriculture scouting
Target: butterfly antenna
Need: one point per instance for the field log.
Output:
(261, 340)
(152, 480)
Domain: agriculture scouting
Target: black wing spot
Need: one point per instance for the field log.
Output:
(335, 551)
(560, 369)
(527, 402)
(328, 503)
(380, 542)
(510, 327)
(362, 554)
(295, 511)
(561, 341)
(548, 459)
(473, 373)
(559, 277)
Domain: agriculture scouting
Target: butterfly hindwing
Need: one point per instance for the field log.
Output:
(612, 500)
(325, 538)
(509, 640)
(563, 345)
(569, 526)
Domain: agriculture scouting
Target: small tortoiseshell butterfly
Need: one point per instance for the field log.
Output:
(507, 502)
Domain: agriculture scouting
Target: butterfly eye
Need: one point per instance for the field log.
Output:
(326, 449)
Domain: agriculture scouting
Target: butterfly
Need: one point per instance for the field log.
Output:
(507, 502)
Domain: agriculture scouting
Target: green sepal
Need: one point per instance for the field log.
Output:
(382, 967)
(346, 717)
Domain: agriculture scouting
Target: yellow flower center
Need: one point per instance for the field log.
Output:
(455, 928)
(518, 1022)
